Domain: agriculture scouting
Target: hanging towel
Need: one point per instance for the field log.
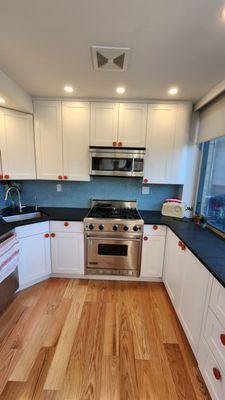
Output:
(9, 256)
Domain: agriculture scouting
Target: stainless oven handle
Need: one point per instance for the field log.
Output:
(135, 239)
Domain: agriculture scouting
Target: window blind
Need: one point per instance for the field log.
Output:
(212, 121)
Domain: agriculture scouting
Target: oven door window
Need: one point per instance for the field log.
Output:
(112, 250)
(112, 164)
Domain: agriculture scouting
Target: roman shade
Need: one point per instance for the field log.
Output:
(212, 120)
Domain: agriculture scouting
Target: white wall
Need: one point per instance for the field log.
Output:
(14, 95)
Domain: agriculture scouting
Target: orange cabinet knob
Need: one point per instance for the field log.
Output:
(114, 144)
(52, 234)
(183, 247)
(145, 180)
(217, 373)
(60, 177)
(222, 338)
(6, 176)
(65, 177)
(47, 235)
(155, 227)
(120, 144)
(180, 243)
(66, 223)
(1, 176)
(145, 237)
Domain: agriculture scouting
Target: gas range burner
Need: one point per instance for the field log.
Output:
(113, 212)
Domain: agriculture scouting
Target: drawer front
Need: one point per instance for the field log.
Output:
(32, 229)
(215, 337)
(155, 230)
(66, 226)
(208, 367)
(217, 301)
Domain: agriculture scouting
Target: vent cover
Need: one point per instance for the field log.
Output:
(110, 58)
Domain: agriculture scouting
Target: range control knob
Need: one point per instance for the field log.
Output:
(135, 228)
(101, 227)
(91, 226)
(126, 228)
(115, 227)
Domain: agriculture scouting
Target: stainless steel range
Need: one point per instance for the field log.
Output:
(113, 238)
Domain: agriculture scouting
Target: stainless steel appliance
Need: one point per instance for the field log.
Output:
(117, 162)
(113, 238)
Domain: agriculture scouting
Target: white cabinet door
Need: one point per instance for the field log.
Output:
(17, 145)
(68, 253)
(132, 125)
(173, 268)
(152, 256)
(194, 287)
(104, 124)
(76, 121)
(159, 143)
(48, 139)
(34, 259)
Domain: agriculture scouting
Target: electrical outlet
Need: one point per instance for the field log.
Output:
(58, 187)
(145, 189)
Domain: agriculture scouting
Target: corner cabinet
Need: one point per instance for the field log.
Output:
(118, 125)
(186, 280)
(166, 142)
(62, 140)
(17, 145)
(35, 255)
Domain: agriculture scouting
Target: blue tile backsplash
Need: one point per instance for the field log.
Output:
(78, 194)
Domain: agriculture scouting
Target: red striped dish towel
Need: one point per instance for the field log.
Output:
(9, 256)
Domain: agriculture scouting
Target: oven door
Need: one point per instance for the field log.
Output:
(113, 253)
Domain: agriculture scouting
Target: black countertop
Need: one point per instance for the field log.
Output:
(208, 247)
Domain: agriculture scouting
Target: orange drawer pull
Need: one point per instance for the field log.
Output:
(46, 235)
(222, 338)
(65, 177)
(145, 237)
(60, 177)
(155, 227)
(217, 373)
(66, 223)
(114, 144)
(6, 176)
(145, 180)
(53, 235)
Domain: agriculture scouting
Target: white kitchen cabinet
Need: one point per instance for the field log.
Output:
(75, 122)
(166, 143)
(34, 255)
(173, 264)
(132, 125)
(153, 251)
(104, 123)
(48, 139)
(17, 145)
(67, 248)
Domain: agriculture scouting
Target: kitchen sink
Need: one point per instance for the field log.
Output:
(23, 217)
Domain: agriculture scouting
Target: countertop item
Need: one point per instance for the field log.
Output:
(207, 246)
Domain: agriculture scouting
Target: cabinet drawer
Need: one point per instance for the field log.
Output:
(217, 301)
(215, 337)
(208, 367)
(156, 230)
(32, 229)
(66, 226)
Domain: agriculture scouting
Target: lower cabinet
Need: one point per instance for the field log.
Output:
(35, 254)
(153, 251)
(186, 280)
(67, 248)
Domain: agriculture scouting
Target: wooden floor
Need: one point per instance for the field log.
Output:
(103, 340)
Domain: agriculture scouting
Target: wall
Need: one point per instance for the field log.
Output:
(78, 194)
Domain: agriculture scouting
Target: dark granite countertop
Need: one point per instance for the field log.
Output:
(208, 247)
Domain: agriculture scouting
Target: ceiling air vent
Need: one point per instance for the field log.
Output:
(110, 58)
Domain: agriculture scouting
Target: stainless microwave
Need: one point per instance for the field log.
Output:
(107, 161)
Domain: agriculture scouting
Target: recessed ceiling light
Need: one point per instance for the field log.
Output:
(2, 101)
(120, 90)
(223, 14)
(68, 89)
(173, 91)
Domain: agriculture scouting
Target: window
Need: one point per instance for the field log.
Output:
(211, 194)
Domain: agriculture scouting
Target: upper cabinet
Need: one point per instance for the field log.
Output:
(17, 145)
(76, 121)
(118, 125)
(62, 140)
(104, 124)
(48, 139)
(166, 144)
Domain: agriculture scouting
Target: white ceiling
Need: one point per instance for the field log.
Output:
(46, 43)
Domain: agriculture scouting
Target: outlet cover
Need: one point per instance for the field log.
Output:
(58, 187)
(145, 190)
